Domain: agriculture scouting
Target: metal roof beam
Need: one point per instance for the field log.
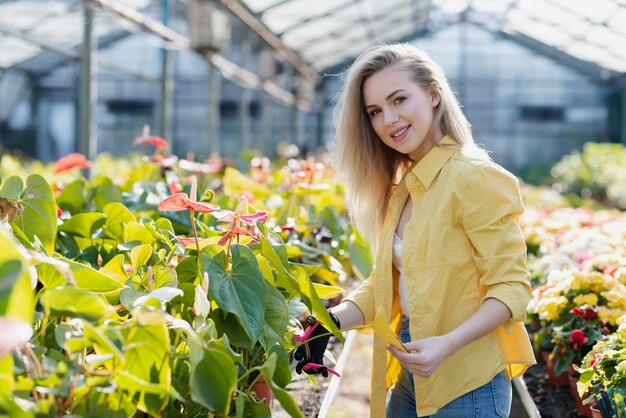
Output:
(342, 30)
(268, 36)
(272, 7)
(323, 15)
(228, 68)
(70, 53)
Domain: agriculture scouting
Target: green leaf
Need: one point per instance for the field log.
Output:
(75, 303)
(286, 401)
(147, 358)
(136, 232)
(105, 193)
(115, 269)
(117, 215)
(72, 198)
(7, 379)
(242, 290)
(139, 256)
(313, 301)
(93, 280)
(276, 318)
(40, 209)
(213, 378)
(49, 276)
(187, 270)
(12, 188)
(8, 405)
(83, 224)
(284, 279)
(101, 342)
(17, 298)
(164, 277)
(360, 256)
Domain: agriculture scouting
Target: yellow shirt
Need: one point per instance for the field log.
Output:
(461, 246)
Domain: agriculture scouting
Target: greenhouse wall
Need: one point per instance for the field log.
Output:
(525, 108)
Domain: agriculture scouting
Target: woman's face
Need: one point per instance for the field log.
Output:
(401, 111)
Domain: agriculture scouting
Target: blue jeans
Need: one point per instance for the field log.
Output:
(490, 400)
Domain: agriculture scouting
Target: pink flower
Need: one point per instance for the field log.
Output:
(15, 332)
(71, 161)
(155, 141)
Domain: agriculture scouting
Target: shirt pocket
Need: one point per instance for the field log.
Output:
(441, 246)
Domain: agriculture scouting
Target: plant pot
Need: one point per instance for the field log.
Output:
(559, 380)
(595, 412)
(582, 409)
(263, 391)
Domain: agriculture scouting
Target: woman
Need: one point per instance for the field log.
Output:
(450, 268)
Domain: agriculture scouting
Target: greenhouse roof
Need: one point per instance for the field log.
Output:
(328, 33)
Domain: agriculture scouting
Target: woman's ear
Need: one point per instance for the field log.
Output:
(435, 94)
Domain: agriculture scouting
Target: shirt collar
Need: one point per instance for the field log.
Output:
(428, 167)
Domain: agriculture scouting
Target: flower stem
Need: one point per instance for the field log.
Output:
(195, 235)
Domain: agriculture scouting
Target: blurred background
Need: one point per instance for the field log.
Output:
(537, 78)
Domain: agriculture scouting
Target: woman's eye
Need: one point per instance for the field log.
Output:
(374, 112)
(399, 99)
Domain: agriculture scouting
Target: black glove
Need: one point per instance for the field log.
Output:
(310, 355)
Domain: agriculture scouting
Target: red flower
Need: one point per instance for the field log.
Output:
(234, 231)
(156, 141)
(59, 212)
(236, 219)
(578, 312)
(577, 338)
(590, 314)
(71, 161)
(592, 362)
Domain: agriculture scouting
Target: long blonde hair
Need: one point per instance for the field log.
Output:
(370, 168)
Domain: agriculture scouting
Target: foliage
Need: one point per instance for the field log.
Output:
(127, 308)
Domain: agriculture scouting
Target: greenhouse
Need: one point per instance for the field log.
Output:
(291, 208)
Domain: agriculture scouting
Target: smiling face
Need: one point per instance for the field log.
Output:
(401, 111)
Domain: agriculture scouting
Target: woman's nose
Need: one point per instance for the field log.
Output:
(390, 118)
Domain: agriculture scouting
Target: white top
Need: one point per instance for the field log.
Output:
(397, 262)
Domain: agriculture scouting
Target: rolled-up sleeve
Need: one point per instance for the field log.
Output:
(491, 206)
(363, 298)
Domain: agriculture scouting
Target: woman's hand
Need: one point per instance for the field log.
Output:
(424, 356)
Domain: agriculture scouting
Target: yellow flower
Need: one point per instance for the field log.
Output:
(621, 366)
(590, 299)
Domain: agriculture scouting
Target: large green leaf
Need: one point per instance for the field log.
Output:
(17, 298)
(76, 303)
(242, 290)
(276, 318)
(117, 215)
(139, 256)
(72, 198)
(360, 256)
(93, 280)
(136, 232)
(284, 279)
(213, 378)
(105, 193)
(268, 371)
(115, 269)
(7, 379)
(147, 358)
(40, 210)
(313, 301)
(83, 224)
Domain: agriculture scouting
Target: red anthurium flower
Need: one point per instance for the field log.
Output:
(590, 314)
(578, 312)
(234, 231)
(180, 201)
(156, 141)
(185, 241)
(59, 212)
(71, 161)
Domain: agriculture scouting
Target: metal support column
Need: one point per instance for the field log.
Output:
(87, 139)
(214, 110)
(167, 83)
(321, 110)
(266, 123)
(245, 96)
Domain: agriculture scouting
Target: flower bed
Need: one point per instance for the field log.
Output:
(169, 289)
(577, 261)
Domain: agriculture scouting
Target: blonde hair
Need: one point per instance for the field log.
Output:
(370, 168)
